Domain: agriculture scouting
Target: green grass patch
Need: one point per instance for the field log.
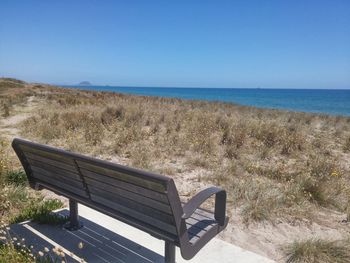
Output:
(9, 254)
(41, 213)
(16, 177)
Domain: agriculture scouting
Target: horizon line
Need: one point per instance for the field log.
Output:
(189, 87)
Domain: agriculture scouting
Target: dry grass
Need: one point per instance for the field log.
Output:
(289, 163)
(320, 251)
(347, 144)
(12, 92)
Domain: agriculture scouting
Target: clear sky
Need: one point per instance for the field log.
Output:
(238, 44)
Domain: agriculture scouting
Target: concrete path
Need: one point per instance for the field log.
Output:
(105, 239)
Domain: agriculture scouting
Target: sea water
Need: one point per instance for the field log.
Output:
(331, 101)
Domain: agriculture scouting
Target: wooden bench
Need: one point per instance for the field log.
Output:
(147, 201)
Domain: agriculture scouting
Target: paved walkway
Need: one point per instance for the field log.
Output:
(105, 239)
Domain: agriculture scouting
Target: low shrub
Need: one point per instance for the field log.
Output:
(292, 141)
(141, 157)
(231, 152)
(268, 133)
(323, 167)
(234, 136)
(111, 114)
(311, 188)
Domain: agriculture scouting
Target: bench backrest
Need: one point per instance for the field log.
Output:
(145, 200)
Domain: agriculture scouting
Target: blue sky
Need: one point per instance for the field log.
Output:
(238, 44)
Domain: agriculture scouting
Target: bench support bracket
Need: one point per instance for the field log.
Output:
(73, 223)
(169, 252)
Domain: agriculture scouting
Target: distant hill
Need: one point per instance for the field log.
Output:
(17, 81)
(10, 83)
(85, 83)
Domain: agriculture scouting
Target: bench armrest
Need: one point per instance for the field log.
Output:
(199, 198)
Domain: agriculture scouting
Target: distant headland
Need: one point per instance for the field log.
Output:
(85, 83)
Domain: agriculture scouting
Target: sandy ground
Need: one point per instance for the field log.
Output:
(264, 238)
(9, 126)
(268, 239)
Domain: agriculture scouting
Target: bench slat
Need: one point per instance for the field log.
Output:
(141, 208)
(198, 228)
(202, 213)
(57, 164)
(53, 175)
(135, 214)
(200, 222)
(114, 213)
(141, 181)
(99, 187)
(46, 154)
(59, 184)
(195, 233)
(52, 169)
(91, 177)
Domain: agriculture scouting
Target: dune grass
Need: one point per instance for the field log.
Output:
(296, 161)
(317, 250)
(303, 157)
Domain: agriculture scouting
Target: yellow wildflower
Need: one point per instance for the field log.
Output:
(334, 173)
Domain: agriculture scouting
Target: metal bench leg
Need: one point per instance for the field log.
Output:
(73, 223)
(169, 252)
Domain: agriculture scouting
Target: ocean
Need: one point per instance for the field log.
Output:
(333, 102)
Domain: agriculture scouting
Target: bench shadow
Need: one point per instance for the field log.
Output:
(99, 243)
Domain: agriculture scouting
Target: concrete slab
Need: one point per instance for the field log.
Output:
(108, 240)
